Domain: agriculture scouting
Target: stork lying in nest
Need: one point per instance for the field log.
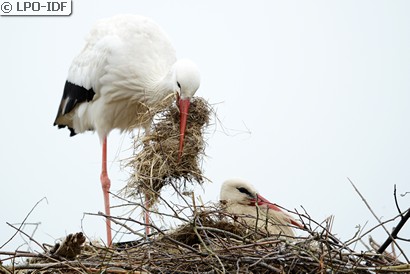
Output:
(241, 198)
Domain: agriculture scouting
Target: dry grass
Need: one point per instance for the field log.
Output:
(156, 161)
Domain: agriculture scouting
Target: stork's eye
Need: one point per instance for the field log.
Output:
(244, 190)
(179, 85)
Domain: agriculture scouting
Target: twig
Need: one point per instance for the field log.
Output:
(211, 252)
(393, 235)
(28, 236)
(17, 254)
(22, 223)
(391, 238)
(395, 200)
(368, 206)
(349, 242)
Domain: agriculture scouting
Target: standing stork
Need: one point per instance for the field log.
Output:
(127, 66)
(241, 198)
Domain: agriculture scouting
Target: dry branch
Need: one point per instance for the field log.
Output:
(395, 232)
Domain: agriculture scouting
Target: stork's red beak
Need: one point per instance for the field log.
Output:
(260, 201)
(264, 202)
(183, 110)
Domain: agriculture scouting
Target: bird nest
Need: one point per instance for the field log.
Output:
(212, 241)
(156, 161)
(208, 241)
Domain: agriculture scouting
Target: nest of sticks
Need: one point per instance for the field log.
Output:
(211, 241)
(156, 161)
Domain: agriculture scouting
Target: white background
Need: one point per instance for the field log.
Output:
(307, 93)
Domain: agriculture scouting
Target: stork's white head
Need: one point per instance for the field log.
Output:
(238, 191)
(187, 81)
(187, 78)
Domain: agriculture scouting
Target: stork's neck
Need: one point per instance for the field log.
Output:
(163, 89)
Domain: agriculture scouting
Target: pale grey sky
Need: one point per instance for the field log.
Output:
(310, 92)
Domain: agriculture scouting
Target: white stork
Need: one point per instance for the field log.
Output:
(127, 66)
(241, 198)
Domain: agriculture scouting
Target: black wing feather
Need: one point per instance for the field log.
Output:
(72, 96)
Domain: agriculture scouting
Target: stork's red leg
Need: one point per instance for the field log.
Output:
(106, 184)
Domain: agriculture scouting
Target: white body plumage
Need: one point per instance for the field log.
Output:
(130, 65)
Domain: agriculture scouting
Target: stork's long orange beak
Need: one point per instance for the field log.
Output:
(183, 109)
(264, 202)
(260, 201)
